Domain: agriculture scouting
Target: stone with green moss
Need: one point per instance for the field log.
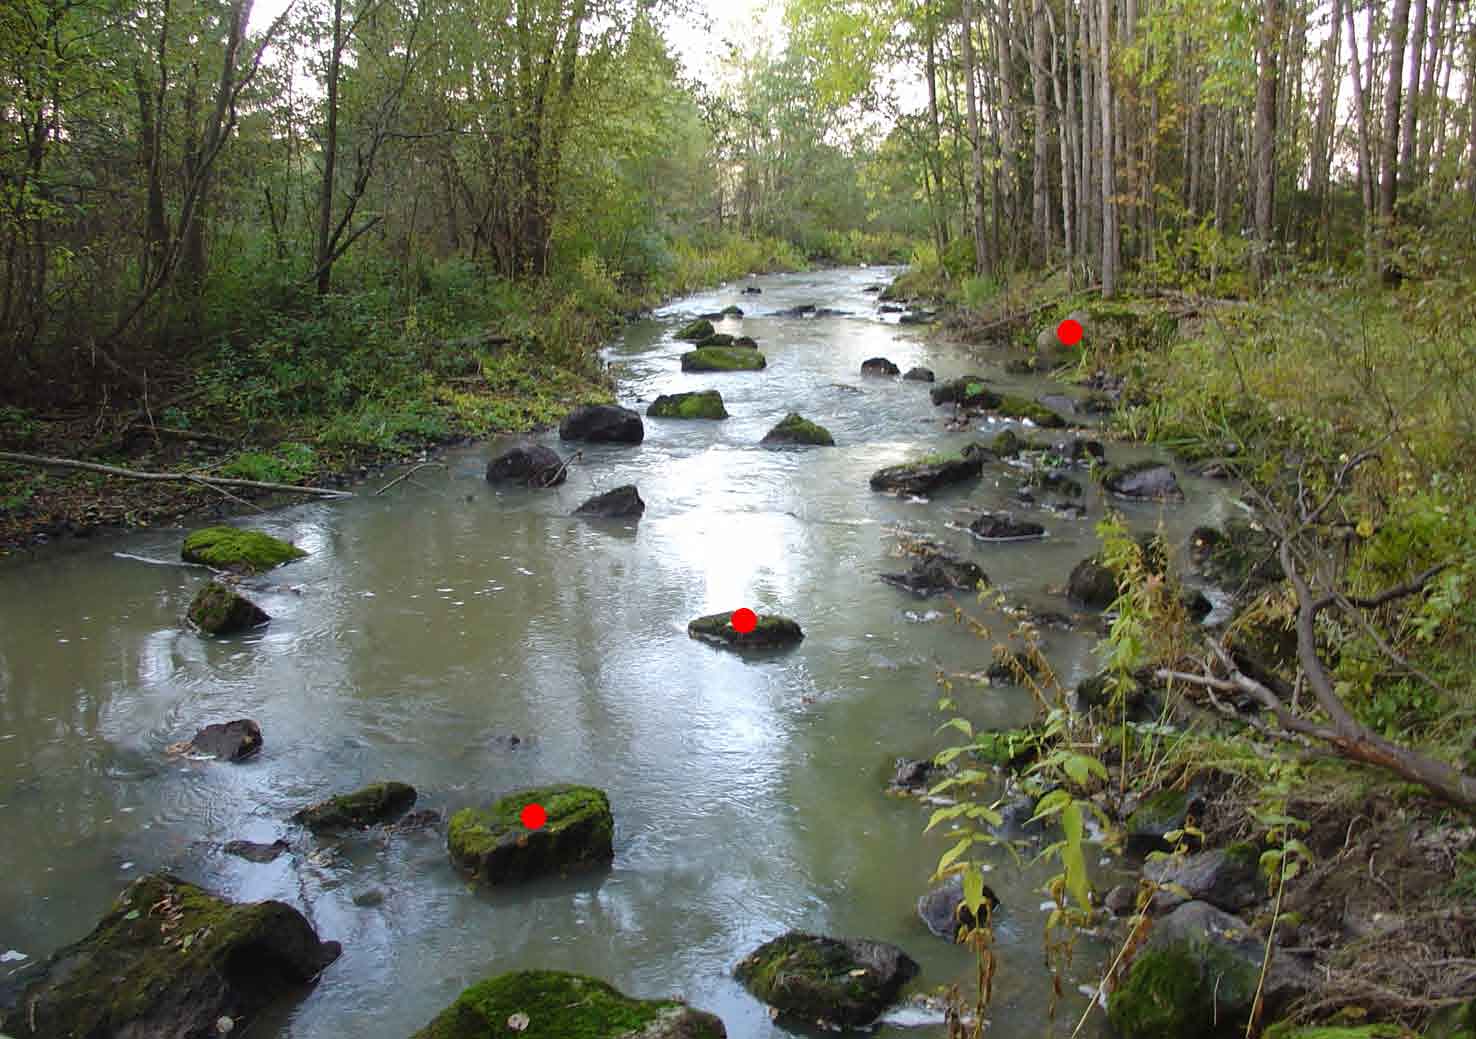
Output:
(716, 339)
(494, 847)
(1024, 408)
(1155, 817)
(723, 359)
(796, 429)
(703, 404)
(546, 1004)
(374, 804)
(970, 391)
(771, 632)
(1388, 1030)
(169, 959)
(243, 551)
(695, 330)
(838, 981)
(219, 610)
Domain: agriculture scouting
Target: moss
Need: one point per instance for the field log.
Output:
(1007, 748)
(217, 610)
(696, 330)
(558, 1006)
(1024, 408)
(377, 803)
(795, 429)
(770, 632)
(723, 359)
(967, 390)
(495, 847)
(819, 978)
(1288, 1030)
(229, 548)
(716, 339)
(705, 404)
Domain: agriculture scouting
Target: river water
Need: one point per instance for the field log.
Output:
(435, 622)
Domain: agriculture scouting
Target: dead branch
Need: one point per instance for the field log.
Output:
(406, 476)
(133, 474)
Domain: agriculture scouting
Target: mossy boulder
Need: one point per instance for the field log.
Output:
(838, 981)
(169, 959)
(747, 342)
(1197, 976)
(1011, 406)
(547, 1004)
(1387, 1030)
(928, 474)
(242, 551)
(969, 391)
(771, 632)
(696, 330)
(732, 310)
(707, 404)
(1242, 557)
(723, 359)
(374, 804)
(1155, 817)
(494, 847)
(219, 610)
(795, 429)
(531, 465)
(716, 339)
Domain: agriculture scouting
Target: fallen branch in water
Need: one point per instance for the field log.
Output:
(133, 474)
(407, 475)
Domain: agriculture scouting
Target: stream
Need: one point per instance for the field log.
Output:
(473, 640)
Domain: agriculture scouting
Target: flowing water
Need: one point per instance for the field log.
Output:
(435, 622)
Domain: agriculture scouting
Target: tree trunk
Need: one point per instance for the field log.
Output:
(1041, 202)
(1433, 103)
(324, 258)
(1365, 154)
(1264, 135)
(1111, 241)
(1393, 88)
(976, 151)
(1322, 139)
(935, 142)
(1412, 97)
(1471, 114)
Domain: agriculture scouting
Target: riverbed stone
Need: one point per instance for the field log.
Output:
(1092, 584)
(240, 551)
(1227, 878)
(532, 465)
(928, 474)
(366, 807)
(252, 851)
(723, 359)
(732, 310)
(695, 330)
(169, 959)
(1156, 816)
(603, 424)
(1144, 481)
(912, 776)
(795, 429)
(220, 610)
(621, 503)
(703, 404)
(548, 1004)
(1001, 526)
(840, 981)
(747, 342)
(942, 909)
(937, 574)
(879, 366)
(1197, 975)
(1012, 406)
(772, 631)
(494, 847)
(969, 391)
(919, 374)
(716, 339)
(229, 741)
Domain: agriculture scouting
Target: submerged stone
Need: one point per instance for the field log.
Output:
(621, 503)
(705, 404)
(495, 848)
(532, 465)
(370, 806)
(772, 631)
(243, 551)
(229, 741)
(840, 981)
(170, 959)
(251, 851)
(723, 359)
(219, 610)
(796, 429)
(547, 1004)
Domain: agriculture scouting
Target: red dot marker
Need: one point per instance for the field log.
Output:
(533, 816)
(1069, 332)
(743, 620)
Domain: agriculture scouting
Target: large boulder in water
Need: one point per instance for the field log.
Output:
(1144, 481)
(942, 909)
(603, 424)
(229, 741)
(771, 631)
(547, 1004)
(532, 465)
(969, 391)
(494, 847)
(169, 960)
(1092, 584)
(241, 551)
(841, 981)
(219, 610)
(937, 574)
(621, 503)
(706, 404)
(374, 804)
(929, 474)
(724, 359)
(795, 429)
(879, 366)
(695, 330)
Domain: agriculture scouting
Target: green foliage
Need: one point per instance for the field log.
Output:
(287, 463)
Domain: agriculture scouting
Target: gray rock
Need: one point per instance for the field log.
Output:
(253, 852)
(938, 574)
(913, 776)
(879, 366)
(621, 503)
(919, 375)
(943, 911)
(604, 424)
(228, 741)
(1156, 816)
(532, 465)
(1144, 481)
(1227, 878)
(219, 610)
(1001, 526)
(841, 981)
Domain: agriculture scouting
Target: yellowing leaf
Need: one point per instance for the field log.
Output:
(1365, 528)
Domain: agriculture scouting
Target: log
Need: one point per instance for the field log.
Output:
(134, 474)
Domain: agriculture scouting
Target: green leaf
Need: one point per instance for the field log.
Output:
(944, 814)
(1050, 804)
(973, 889)
(1073, 856)
(952, 854)
(961, 724)
(132, 914)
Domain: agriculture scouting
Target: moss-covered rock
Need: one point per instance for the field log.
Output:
(723, 359)
(796, 429)
(696, 330)
(970, 391)
(747, 342)
(839, 981)
(771, 632)
(706, 404)
(1156, 816)
(546, 1004)
(169, 959)
(494, 847)
(716, 339)
(1242, 557)
(218, 610)
(1024, 408)
(243, 551)
(374, 804)
(1388, 1030)
(928, 474)
(732, 310)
